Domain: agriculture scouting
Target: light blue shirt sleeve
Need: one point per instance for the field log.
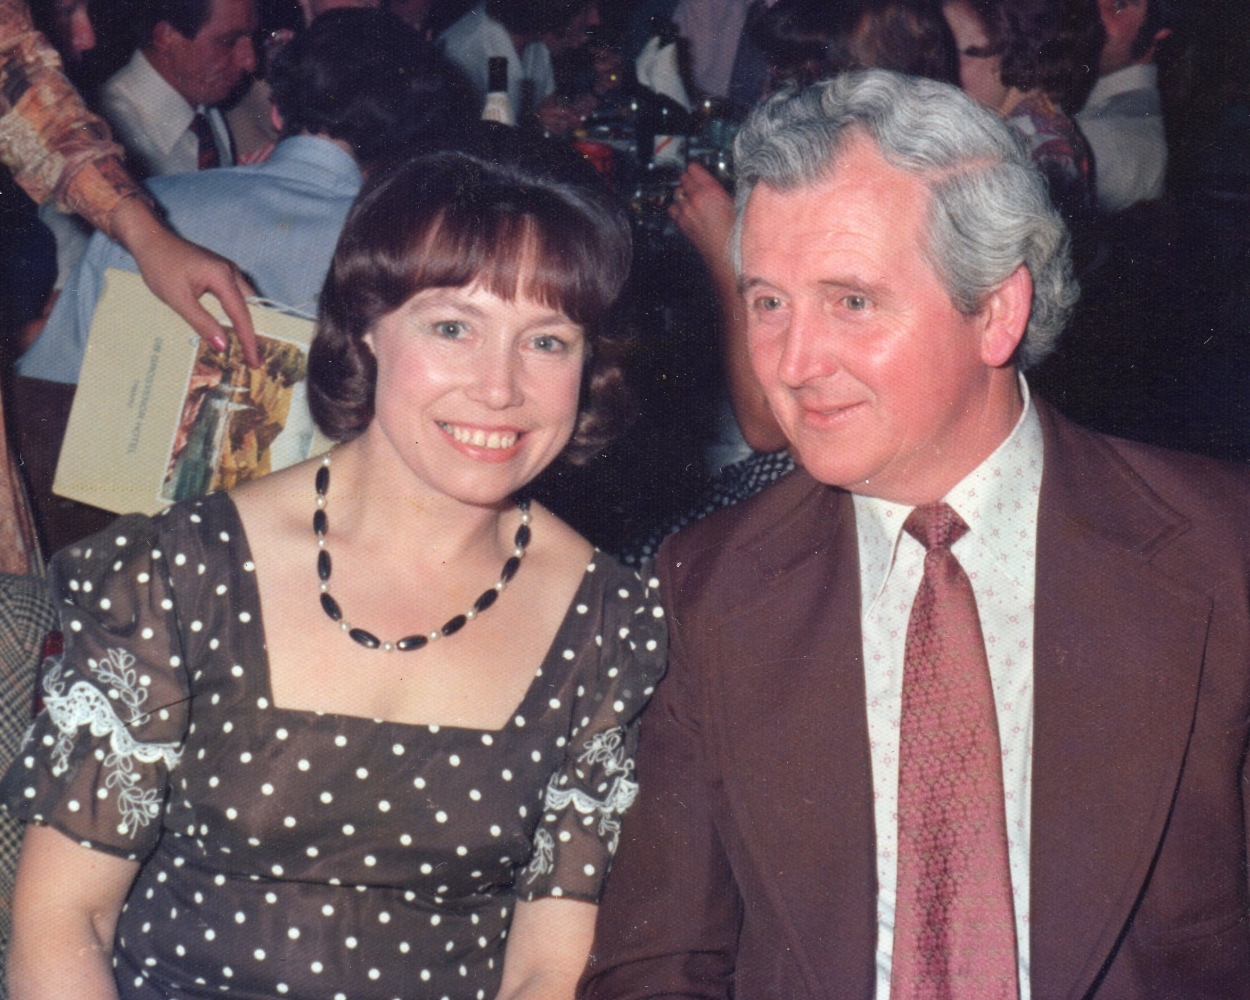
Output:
(58, 352)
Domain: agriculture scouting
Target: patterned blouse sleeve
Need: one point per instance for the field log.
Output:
(55, 147)
(95, 762)
(585, 797)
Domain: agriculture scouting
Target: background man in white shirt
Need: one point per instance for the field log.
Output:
(194, 54)
(1123, 115)
(900, 264)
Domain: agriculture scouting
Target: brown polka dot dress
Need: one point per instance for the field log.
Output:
(297, 854)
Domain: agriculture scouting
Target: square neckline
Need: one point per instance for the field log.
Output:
(549, 658)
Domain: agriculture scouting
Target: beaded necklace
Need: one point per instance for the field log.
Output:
(321, 525)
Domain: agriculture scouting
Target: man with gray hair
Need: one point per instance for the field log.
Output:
(961, 708)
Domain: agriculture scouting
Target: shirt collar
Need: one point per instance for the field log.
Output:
(988, 498)
(312, 157)
(1139, 76)
(165, 112)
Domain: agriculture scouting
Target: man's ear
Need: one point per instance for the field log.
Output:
(275, 118)
(164, 35)
(1005, 317)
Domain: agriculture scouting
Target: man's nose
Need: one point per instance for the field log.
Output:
(807, 352)
(245, 55)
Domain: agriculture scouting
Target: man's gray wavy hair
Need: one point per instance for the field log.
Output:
(989, 207)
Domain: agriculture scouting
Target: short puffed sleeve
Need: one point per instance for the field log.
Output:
(95, 762)
(590, 791)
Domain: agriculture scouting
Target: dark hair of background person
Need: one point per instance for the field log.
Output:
(365, 77)
(187, 17)
(906, 36)
(807, 40)
(518, 214)
(1052, 45)
(524, 17)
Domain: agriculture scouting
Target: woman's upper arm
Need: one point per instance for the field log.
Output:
(65, 908)
(56, 875)
(548, 945)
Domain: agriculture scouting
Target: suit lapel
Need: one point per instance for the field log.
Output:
(797, 686)
(1118, 654)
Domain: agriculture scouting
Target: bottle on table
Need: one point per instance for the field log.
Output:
(498, 107)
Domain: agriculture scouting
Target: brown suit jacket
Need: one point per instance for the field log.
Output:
(748, 864)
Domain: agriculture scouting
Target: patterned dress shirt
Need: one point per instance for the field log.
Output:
(998, 500)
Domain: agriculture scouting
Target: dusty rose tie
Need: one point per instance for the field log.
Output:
(954, 928)
(209, 156)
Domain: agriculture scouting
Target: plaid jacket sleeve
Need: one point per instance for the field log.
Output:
(27, 615)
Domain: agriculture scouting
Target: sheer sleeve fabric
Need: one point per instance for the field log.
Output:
(56, 148)
(96, 761)
(587, 795)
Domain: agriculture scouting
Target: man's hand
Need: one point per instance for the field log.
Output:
(180, 272)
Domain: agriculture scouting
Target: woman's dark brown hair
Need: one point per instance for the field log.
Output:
(516, 214)
(1051, 45)
(807, 40)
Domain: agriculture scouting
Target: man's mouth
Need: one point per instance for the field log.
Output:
(479, 438)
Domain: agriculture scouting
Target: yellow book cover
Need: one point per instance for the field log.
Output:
(160, 415)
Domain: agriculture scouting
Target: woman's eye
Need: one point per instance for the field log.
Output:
(450, 329)
(549, 343)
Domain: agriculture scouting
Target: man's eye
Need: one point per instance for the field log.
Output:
(450, 329)
(855, 303)
(768, 303)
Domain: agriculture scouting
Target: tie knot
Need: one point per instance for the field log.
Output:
(935, 525)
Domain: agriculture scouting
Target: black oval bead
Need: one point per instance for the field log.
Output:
(510, 568)
(486, 600)
(331, 607)
(363, 637)
(522, 536)
(412, 642)
(323, 564)
(323, 480)
(321, 523)
(455, 625)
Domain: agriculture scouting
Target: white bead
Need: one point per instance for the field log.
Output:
(470, 614)
(518, 552)
(387, 647)
(435, 635)
(500, 585)
(321, 501)
(321, 542)
(324, 588)
(345, 626)
(326, 459)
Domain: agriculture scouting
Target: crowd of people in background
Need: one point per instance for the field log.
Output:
(1116, 100)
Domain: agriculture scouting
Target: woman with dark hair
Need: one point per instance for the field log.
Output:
(1033, 62)
(365, 726)
(808, 40)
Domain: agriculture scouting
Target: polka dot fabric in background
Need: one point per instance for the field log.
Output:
(291, 853)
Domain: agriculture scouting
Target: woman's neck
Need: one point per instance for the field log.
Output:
(375, 500)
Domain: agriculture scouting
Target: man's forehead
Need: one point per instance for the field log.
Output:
(861, 197)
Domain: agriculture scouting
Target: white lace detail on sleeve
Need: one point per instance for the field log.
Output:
(84, 704)
(606, 749)
(543, 860)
